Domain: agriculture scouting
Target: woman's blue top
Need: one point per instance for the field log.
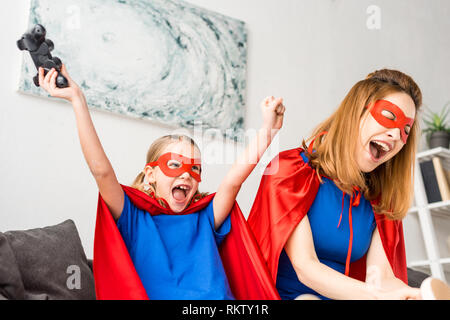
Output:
(330, 242)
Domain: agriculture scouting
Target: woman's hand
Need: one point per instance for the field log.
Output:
(406, 293)
(48, 83)
(273, 113)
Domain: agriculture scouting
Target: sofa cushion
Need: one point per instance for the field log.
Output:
(415, 278)
(11, 286)
(52, 262)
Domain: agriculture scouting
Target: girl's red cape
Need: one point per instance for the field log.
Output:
(115, 275)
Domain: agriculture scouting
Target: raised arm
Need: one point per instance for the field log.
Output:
(93, 152)
(273, 112)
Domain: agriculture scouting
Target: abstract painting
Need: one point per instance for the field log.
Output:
(161, 60)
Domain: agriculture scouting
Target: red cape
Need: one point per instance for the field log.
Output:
(115, 275)
(284, 198)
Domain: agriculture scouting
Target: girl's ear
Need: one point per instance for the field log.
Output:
(150, 174)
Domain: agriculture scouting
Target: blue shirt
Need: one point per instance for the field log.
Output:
(176, 256)
(330, 242)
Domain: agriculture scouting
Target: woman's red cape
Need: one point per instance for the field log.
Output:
(117, 279)
(286, 192)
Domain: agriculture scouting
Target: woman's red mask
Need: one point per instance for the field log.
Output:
(174, 165)
(390, 116)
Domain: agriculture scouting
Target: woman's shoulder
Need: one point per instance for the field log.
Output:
(295, 155)
(289, 162)
(291, 152)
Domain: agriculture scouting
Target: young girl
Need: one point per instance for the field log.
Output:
(173, 244)
(314, 219)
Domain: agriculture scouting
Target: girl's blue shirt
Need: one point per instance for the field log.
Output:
(176, 256)
(330, 242)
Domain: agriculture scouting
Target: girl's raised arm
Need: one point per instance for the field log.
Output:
(93, 152)
(273, 113)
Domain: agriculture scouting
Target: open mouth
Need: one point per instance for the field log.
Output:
(378, 149)
(180, 192)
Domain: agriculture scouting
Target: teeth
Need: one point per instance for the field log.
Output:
(382, 145)
(183, 187)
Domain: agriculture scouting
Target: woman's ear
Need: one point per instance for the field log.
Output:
(150, 174)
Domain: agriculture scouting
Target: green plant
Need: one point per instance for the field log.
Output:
(436, 121)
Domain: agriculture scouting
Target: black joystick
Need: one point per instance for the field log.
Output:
(34, 41)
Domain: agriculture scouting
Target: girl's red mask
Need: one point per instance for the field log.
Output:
(399, 120)
(178, 165)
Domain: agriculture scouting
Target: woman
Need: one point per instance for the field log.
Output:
(328, 221)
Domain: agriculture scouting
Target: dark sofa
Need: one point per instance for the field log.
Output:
(50, 263)
(45, 263)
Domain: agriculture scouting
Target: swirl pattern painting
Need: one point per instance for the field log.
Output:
(161, 60)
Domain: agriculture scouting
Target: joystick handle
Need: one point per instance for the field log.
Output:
(61, 81)
(39, 47)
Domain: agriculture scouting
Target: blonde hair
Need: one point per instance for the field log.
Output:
(390, 184)
(153, 154)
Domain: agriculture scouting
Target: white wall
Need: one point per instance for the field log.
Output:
(309, 52)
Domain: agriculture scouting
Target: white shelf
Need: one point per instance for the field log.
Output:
(427, 213)
(413, 210)
(427, 263)
(445, 205)
(443, 153)
(419, 263)
(441, 208)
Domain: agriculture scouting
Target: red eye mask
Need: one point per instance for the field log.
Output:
(174, 165)
(399, 120)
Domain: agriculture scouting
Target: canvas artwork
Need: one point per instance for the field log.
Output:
(161, 60)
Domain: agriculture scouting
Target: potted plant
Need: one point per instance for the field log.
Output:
(437, 130)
